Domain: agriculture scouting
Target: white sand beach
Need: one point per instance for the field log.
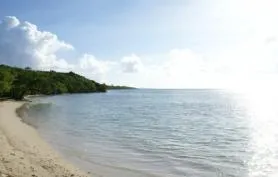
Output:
(23, 153)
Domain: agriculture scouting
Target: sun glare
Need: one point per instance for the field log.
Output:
(261, 104)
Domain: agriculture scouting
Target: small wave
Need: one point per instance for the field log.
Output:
(29, 112)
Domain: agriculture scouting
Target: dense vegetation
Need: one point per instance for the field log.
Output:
(17, 82)
(118, 87)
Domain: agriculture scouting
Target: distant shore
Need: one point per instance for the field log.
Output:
(23, 153)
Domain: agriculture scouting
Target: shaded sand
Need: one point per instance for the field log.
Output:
(23, 153)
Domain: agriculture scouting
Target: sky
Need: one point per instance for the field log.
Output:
(146, 43)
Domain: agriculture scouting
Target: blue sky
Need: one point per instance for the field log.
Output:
(149, 43)
(114, 28)
(106, 28)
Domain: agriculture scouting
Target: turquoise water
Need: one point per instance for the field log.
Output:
(163, 132)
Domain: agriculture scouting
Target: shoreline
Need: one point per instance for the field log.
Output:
(24, 152)
(92, 168)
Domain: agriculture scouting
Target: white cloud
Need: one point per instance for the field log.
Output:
(184, 61)
(131, 64)
(251, 63)
(10, 22)
(270, 40)
(178, 68)
(252, 60)
(22, 44)
(90, 66)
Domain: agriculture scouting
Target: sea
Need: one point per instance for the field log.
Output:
(162, 133)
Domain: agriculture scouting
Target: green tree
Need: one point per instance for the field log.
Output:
(17, 82)
(5, 82)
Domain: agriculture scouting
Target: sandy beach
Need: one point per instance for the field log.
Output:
(23, 153)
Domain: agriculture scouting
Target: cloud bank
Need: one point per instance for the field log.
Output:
(131, 64)
(24, 44)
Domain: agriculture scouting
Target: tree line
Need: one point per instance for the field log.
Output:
(17, 82)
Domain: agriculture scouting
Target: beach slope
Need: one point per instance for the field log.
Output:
(23, 153)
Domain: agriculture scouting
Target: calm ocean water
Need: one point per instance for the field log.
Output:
(202, 133)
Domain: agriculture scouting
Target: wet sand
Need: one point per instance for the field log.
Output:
(22, 151)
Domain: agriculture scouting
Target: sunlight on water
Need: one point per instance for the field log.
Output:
(165, 132)
(263, 120)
